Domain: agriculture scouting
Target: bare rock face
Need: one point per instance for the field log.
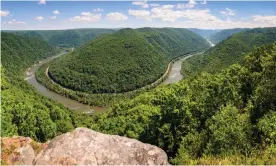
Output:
(87, 147)
(19, 150)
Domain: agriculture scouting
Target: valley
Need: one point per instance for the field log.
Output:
(196, 96)
(173, 76)
(67, 102)
(229, 51)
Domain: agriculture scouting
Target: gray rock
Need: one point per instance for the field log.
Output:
(27, 155)
(87, 147)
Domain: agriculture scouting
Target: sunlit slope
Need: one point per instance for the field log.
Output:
(24, 111)
(19, 52)
(227, 117)
(229, 51)
(123, 61)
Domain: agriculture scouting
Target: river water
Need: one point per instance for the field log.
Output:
(174, 76)
(69, 103)
(211, 44)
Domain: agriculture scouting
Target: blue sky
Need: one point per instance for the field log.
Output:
(105, 14)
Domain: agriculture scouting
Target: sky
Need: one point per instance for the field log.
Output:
(44, 15)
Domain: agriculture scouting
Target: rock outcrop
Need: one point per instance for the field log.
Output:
(87, 147)
(19, 150)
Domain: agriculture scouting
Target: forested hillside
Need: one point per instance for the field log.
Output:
(229, 51)
(123, 61)
(65, 38)
(224, 34)
(224, 118)
(23, 111)
(206, 33)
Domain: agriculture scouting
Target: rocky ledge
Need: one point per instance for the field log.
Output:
(84, 147)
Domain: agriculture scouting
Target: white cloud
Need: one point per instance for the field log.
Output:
(140, 14)
(181, 6)
(56, 12)
(143, 4)
(271, 20)
(4, 13)
(14, 22)
(204, 2)
(213, 22)
(190, 4)
(228, 12)
(53, 17)
(116, 16)
(199, 18)
(86, 17)
(166, 13)
(42, 2)
(154, 5)
(98, 10)
(86, 13)
(39, 18)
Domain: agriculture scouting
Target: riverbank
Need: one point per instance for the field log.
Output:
(67, 102)
(84, 100)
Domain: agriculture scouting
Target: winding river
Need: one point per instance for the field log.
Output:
(69, 103)
(174, 76)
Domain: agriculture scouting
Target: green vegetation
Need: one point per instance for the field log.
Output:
(65, 38)
(224, 34)
(124, 61)
(95, 99)
(227, 52)
(204, 32)
(228, 117)
(222, 118)
(23, 111)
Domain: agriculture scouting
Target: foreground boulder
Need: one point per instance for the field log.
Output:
(87, 147)
(19, 150)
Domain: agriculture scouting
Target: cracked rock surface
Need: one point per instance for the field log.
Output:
(87, 147)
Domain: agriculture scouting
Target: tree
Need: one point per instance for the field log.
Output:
(229, 132)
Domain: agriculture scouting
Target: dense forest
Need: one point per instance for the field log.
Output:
(229, 51)
(24, 112)
(224, 34)
(223, 118)
(123, 61)
(65, 38)
(227, 117)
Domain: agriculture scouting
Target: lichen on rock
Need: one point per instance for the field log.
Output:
(83, 147)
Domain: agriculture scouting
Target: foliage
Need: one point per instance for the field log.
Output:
(227, 52)
(222, 118)
(229, 132)
(218, 117)
(256, 157)
(124, 61)
(98, 99)
(23, 111)
(65, 38)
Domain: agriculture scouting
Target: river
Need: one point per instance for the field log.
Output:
(174, 76)
(69, 103)
(175, 73)
(211, 44)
